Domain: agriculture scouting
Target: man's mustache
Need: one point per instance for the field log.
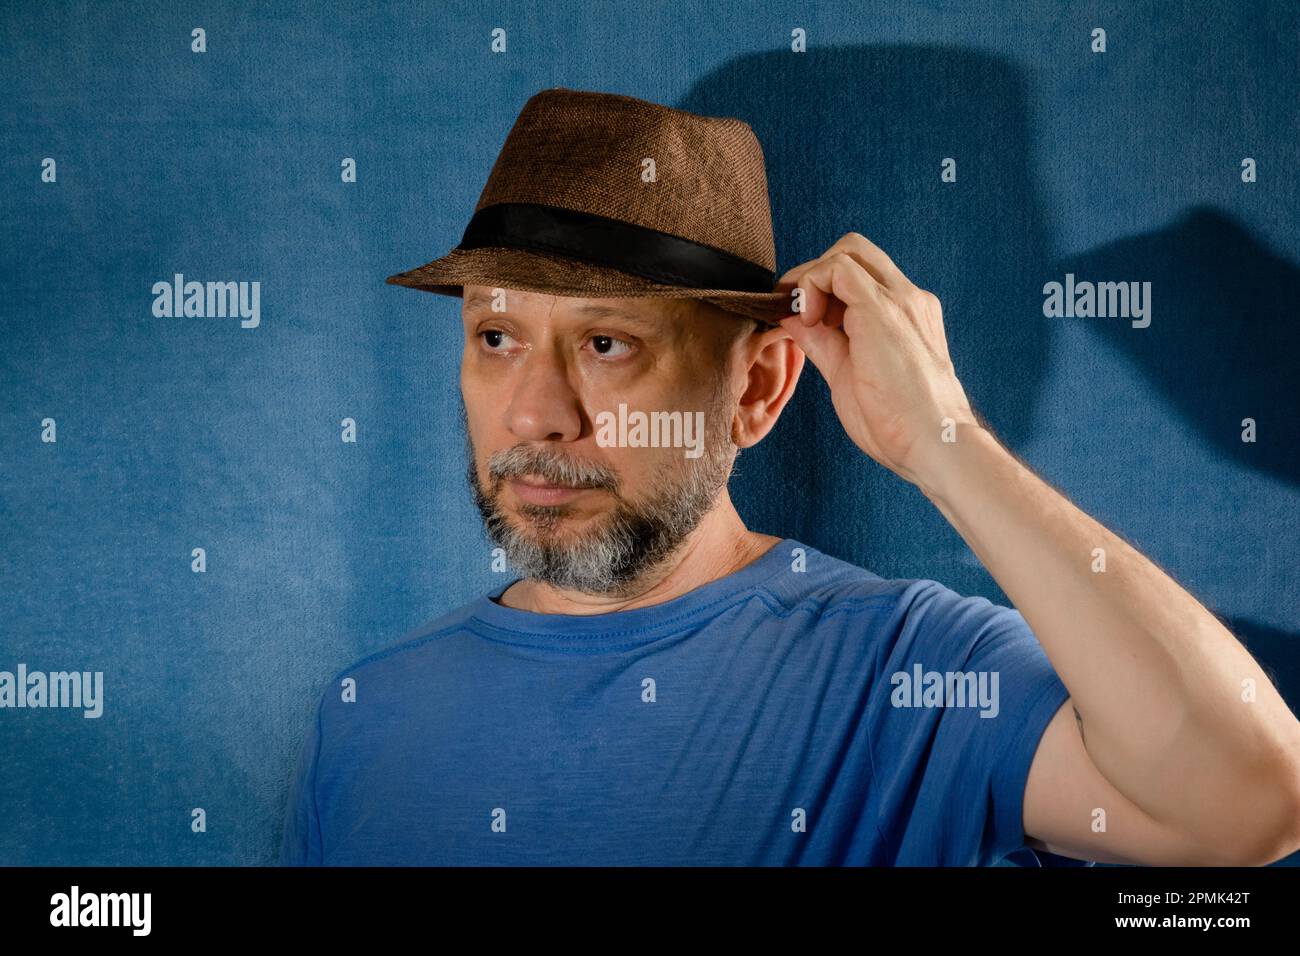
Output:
(556, 469)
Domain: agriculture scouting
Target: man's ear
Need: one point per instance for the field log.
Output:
(772, 363)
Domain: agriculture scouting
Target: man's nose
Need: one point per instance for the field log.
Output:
(544, 406)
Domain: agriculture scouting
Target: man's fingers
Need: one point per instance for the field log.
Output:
(827, 346)
(866, 253)
(839, 279)
(815, 300)
(872, 258)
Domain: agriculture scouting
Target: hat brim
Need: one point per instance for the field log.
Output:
(559, 275)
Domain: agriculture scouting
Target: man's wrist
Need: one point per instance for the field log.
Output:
(954, 459)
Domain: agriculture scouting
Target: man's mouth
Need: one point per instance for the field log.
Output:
(538, 491)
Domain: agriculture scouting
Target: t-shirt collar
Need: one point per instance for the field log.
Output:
(624, 629)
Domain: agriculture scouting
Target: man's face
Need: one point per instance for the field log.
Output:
(541, 385)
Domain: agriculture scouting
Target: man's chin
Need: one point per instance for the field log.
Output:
(557, 526)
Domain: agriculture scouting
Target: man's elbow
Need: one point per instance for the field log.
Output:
(1275, 831)
(1267, 851)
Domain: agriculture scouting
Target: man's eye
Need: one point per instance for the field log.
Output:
(608, 345)
(494, 339)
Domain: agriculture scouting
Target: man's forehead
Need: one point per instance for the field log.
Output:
(522, 302)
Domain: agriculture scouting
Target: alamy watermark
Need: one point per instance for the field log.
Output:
(76, 689)
(922, 688)
(219, 300)
(1124, 300)
(75, 908)
(651, 430)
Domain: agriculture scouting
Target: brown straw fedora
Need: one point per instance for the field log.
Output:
(599, 195)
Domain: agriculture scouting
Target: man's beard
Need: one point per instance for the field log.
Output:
(619, 547)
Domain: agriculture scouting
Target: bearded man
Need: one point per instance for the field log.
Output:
(660, 684)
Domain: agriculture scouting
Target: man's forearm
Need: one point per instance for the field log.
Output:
(1158, 683)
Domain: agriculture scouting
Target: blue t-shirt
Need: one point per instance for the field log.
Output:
(801, 711)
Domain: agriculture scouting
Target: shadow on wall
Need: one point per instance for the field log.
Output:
(1225, 350)
(1221, 348)
(1228, 332)
(874, 169)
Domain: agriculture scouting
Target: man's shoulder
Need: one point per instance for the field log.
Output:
(404, 659)
(818, 582)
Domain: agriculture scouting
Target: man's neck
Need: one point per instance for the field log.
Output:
(716, 548)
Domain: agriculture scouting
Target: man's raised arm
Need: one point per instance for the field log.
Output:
(1174, 723)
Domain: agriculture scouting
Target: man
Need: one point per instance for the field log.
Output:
(661, 685)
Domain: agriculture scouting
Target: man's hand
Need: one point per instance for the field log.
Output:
(878, 340)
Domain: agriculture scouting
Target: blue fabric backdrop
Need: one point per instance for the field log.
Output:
(183, 433)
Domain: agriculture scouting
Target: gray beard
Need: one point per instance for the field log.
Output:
(621, 547)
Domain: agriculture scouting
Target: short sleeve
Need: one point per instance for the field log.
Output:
(967, 761)
(301, 845)
(1034, 703)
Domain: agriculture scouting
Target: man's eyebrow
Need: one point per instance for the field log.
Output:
(476, 299)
